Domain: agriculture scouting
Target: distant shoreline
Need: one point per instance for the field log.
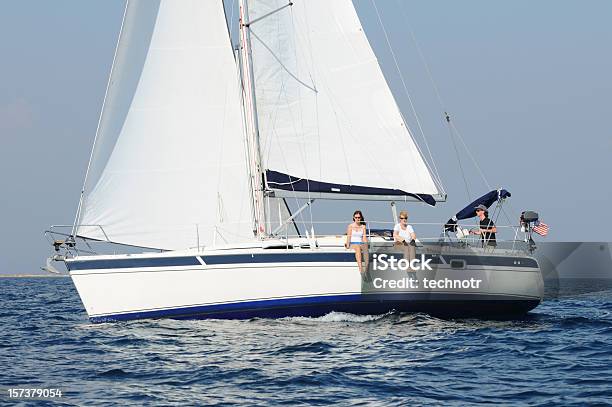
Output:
(34, 275)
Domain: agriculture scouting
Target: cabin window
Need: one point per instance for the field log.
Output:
(457, 264)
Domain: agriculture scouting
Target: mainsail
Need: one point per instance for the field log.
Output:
(328, 123)
(173, 167)
(168, 168)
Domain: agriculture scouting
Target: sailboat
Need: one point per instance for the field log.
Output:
(200, 146)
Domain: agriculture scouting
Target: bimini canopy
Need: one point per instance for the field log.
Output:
(469, 211)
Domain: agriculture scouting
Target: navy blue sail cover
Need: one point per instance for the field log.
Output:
(278, 180)
(469, 211)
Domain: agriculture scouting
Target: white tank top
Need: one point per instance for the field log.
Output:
(357, 236)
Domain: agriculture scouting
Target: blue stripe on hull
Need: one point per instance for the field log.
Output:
(446, 305)
(271, 258)
(280, 258)
(132, 263)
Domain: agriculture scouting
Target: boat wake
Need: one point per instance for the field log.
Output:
(340, 317)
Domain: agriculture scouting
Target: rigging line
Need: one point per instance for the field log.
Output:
(500, 206)
(220, 207)
(248, 23)
(271, 120)
(286, 183)
(93, 148)
(509, 208)
(433, 174)
(427, 70)
(470, 155)
(231, 27)
(245, 124)
(284, 158)
(503, 210)
(416, 116)
(294, 76)
(450, 129)
(422, 56)
(282, 92)
(253, 146)
(316, 95)
(318, 148)
(340, 134)
(342, 116)
(338, 111)
(439, 97)
(298, 122)
(506, 214)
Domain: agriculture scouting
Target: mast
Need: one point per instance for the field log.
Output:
(256, 173)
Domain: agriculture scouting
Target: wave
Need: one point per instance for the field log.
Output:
(340, 317)
(318, 348)
(114, 373)
(558, 354)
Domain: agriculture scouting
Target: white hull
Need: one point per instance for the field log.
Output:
(245, 283)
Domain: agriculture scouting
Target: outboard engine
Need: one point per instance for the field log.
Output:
(528, 220)
(529, 217)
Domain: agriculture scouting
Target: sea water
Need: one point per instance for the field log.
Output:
(559, 354)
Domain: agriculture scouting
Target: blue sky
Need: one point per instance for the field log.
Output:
(527, 83)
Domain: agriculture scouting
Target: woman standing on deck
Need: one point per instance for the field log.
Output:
(357, 240)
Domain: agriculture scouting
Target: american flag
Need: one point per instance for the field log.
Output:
(541, 229)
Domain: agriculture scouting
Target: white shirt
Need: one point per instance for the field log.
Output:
(357, 236)
(405, 233)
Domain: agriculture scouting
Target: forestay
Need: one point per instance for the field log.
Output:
(168, 168)
(328, 123)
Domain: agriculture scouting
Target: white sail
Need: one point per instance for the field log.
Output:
(168, 169)
(325, 111)
(278, 218)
